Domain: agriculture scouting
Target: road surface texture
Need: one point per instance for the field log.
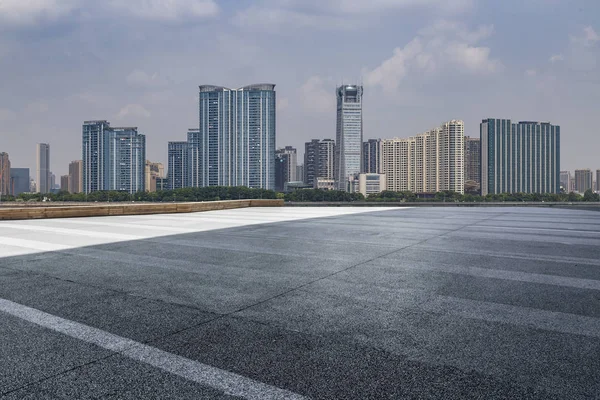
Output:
(294, 303)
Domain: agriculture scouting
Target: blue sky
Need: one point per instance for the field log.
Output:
(422, 62)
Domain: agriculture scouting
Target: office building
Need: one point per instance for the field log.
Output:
(153, 172)
(372, 156)
(367, 183)
(113, 158)
(53, 184)
(583, 180)
(324, 183)
(426, 163)
(64, 183)
(598, 180)
(178, 165)
(162, 184)
(75, 177)
(519, 157)
(319, 159)
(286, 163)
(43, 168)
(300, 172)
(19, 181)
(565, 181)
(473, 160)
(349, 134)
(5, 174)
(237, 136)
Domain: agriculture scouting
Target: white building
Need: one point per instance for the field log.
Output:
(367, 183)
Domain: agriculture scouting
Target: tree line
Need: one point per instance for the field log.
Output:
(214, 193)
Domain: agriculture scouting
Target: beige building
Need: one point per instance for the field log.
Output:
(430, 162)
(5, 174)
(154, 171)
(324, 183)
(75, 177)
(367, 183)
(64, 182)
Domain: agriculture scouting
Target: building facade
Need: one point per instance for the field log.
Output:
(372, 156)
(178, 173)
(286, 164)
(349, 134)
(598, 180)
(300, 172)
(426, 163)
(5, 171)
(237, 136)
(583, 180)
(75, 177)
(519, 157)
(64, 183)
(153, 172)
(473, 160)
(43, 168)
(19, 181)
(319, 160)
(113, 158)
(368, 183)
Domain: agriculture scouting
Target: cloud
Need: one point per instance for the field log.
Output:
(165, 10)
(7, 115)
(334, 14)
(133, 110)
(531, 72)
(556, 57)
(29, 12)
(318, 94)
(141, 79)
(444, 45)
(588, 38)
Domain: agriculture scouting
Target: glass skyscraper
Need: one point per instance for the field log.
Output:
(178, 172)
(349, 134)
(113, 158)
(236, 137)
(519, 157)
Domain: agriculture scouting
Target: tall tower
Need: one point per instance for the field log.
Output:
(349, 134)
(43, 167)
(178, 165)
(5, 173)
(237, 136)
(94, 154)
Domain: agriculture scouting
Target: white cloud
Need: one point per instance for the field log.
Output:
(588, 37)
(318, 94)
(165, 10)
(141, 79)
(444, 45)
(29, 12)
(133, 110)
(556, 58)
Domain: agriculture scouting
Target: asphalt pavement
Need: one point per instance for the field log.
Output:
(323, 303)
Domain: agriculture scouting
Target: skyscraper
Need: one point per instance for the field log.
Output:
(286, 162)
(75, 177)
(194, 169)
(349, 134)
(426, 163)
(113, 158)
(372, 156)
(598, 180)
(64, 183)
(237, 136)
(523, 157)
(19, 181)
(583, 180)
(319, 158)
(473, 160)
(178, 165)
(43, 168)
(5, 188)
(565, 181)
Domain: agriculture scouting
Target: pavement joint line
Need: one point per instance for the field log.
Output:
(195, 371)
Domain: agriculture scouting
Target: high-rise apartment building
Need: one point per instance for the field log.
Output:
(473, 159)
(194, 169)
(519, 157)
(349, 134)
(64, 183)
(286, 163)
(19, 180)
(372, 156)
(5, 188)
(426, 163)
(153, 172)
(319, 160)
(583, 180)
(75, 177)
(43, 168)
(565, 181)
(113, 158)
(598, 180)
(178, 165)
(300, 172)
(237, 136)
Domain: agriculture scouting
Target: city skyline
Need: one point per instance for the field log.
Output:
(470, 50)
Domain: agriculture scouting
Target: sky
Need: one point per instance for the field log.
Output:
(422, 62)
